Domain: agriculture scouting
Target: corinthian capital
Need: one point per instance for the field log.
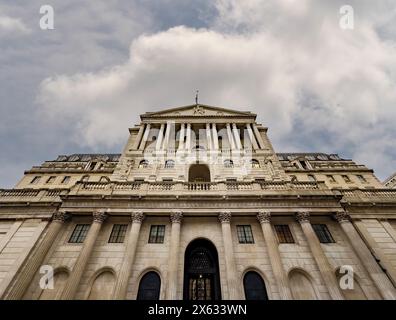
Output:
(302, 216)
(342, 216)
(137, 217)
(100, 215)
(176, 217)
(264, 217)
(225, 217)
(61, 216)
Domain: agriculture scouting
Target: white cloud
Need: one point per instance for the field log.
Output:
(286, 60)
(12, 26)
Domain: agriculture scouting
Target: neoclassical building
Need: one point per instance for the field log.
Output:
(198, 206)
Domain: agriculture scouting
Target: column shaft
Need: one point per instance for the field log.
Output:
(138, 138)
(324, 266)
(232, 278)
(121, 286)
(208, 137)
(160, 137)
(34, 262)
(252, 137)
(145, 137)
(380, 279)
(172, 283)
(258, 136)
(188, 142)
(215, 137)
(181, 137)
(230, 137)
(82, 260)
(236, 136)
(167, 136)
(274, 256)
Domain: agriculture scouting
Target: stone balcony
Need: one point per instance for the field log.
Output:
(179, 189)
(32, 195)
(142, 189)
(368, 195)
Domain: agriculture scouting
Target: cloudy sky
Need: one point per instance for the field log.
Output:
(77, 88)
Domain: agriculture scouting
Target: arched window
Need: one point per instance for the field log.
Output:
(255, 164)
(254, 286)
(102, 287)
(301, 286)
(228, 163)
(104, 179)
(169, 164)
(149, 287)
(143, 164)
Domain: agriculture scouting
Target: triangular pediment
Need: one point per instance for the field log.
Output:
(198, 110)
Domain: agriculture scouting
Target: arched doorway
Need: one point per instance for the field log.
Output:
(199, 173)
(254, 286)
(149, 287)
(201, 271)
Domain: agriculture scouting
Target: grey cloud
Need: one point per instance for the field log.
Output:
(316, 87)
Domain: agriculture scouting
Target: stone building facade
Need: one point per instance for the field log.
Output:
(198, 206)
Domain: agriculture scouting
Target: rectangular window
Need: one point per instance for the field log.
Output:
(284, 234)
(35, 180)
(118, 233)
(361, 178)
(51, 179)
(79, 233)
(157, 234)
(245, 234)
(65, 179)
(331, 178)
(346, 178)
(323, 233)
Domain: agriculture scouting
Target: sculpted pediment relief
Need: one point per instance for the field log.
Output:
(197, 110)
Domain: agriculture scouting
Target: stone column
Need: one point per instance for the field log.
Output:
(138, 138)
(160, 137)
(324, 266)
(145, 137)
(75, 277)
(258, 136)
(173, 262)
(167, 135)
(232, 278)
(236, 136)
(121, 286)
(215, 137)
(274, 255)
(181, 137)
(251, 137)
(230, 137)
(188, 140)
(208, 137)
(378, 276)
(24, 279)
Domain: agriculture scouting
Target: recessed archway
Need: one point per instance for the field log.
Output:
(199, 173)
(201, 271)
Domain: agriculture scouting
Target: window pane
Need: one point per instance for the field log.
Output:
(118, 233)
(157, 234)
(245, 234)
(284, 234)
(323, 233)
(79, 234)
